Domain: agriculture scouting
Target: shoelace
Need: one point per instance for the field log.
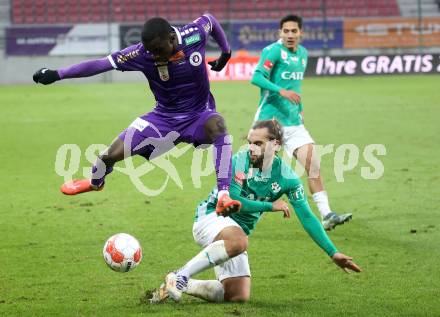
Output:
(182, 282)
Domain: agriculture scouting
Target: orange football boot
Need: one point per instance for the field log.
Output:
(78, 186)
(226, 205)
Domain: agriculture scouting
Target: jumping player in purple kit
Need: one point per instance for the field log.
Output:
(173, 61)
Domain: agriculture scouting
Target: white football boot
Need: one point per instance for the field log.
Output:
(175, 285)
(332, 220)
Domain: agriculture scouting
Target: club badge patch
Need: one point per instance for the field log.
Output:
(275, 187)
(195, 59)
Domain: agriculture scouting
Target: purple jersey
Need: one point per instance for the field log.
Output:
(181, 85)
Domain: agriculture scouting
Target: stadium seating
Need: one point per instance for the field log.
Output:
(95, 11)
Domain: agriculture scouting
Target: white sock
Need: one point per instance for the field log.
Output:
(222, 192)
(212, 255)
(210, 290)
(321, 200)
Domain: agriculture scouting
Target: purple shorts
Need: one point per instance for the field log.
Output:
(156, 133)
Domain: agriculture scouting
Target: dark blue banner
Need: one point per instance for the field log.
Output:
(256, 35)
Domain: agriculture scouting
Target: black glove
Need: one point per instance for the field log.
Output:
(221, 62)
(46, 76)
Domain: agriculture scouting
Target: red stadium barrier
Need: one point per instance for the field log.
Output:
(238, 68)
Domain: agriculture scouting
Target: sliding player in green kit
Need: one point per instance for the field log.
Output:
(279, 74)
(260, 179)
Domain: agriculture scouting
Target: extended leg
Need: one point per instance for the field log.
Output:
(230, 242)
(103, 166)
(216, 134)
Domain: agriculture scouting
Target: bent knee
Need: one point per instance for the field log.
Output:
(239, 246)
(214, 127)
(242, 245)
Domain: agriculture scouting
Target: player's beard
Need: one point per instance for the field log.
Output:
(257, 160)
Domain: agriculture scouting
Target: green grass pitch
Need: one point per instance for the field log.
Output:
(51, 245)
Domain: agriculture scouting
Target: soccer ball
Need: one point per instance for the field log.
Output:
(122, 252)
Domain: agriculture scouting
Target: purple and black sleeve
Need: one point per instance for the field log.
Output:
(217, 33)
(86, 69)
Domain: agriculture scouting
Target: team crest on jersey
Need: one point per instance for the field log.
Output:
(275, 187)
(284, 55)
(303, 62)
(195, 59)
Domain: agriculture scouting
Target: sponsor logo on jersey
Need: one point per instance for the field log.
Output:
(195, 59)
(294, 59)
(259, 178)
(192, 39)
(275, 187)
(268, 64)
(122, 58)
(292, 75)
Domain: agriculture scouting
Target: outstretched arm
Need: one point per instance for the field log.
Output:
(84, 69)
(315, 230)
(309, 221)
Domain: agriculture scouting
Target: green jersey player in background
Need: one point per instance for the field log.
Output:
(279, 74)
(260, 179)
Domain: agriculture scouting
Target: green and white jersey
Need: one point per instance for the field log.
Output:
(258, 189)
(283, 69)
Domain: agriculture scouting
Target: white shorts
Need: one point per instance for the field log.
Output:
(294, 137)
(204, 232)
